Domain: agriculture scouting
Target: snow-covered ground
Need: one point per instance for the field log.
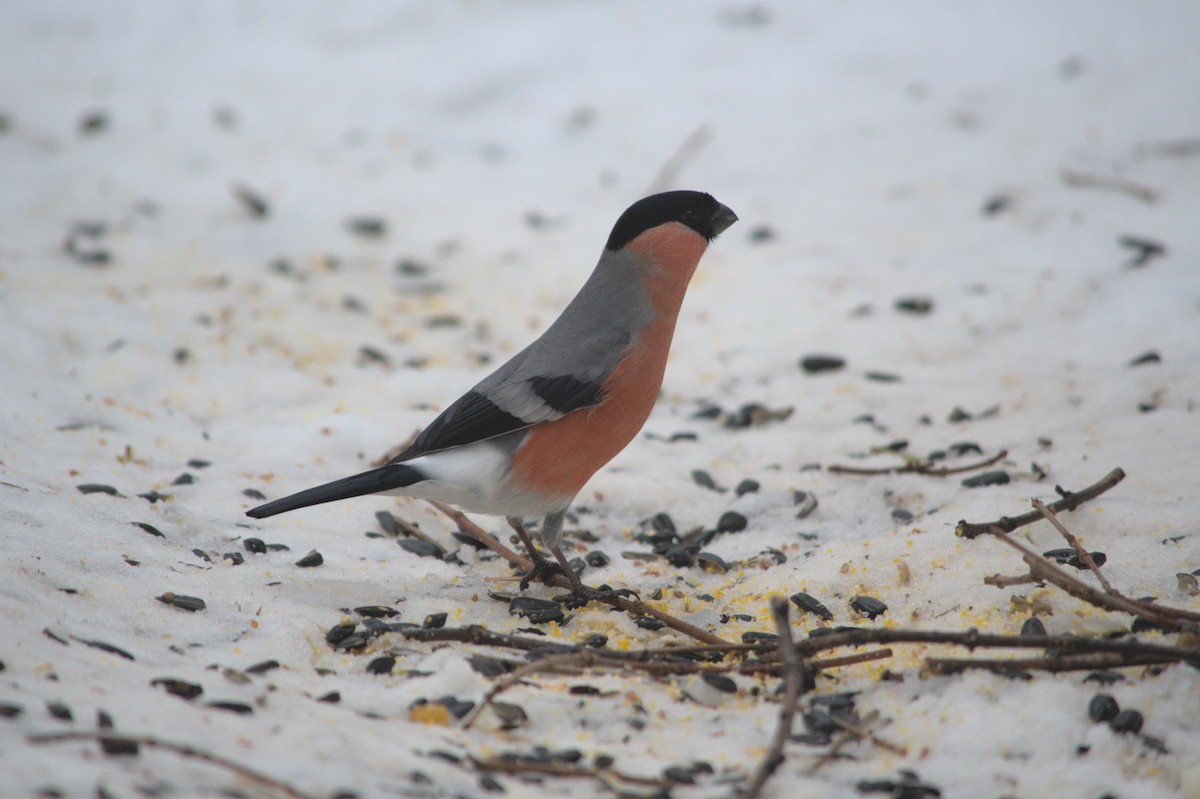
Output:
(152, 325)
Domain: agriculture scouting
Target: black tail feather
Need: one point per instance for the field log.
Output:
(385, 478)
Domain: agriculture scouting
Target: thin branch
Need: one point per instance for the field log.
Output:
(634, 607)
(1085, 557)
(924, 467)
(518, 674)
(549, 769)
(1085, 180)
(1070, 501)
(184, 750)
(849, 660)
(792, 674)
(1052, 663)
(860, 731)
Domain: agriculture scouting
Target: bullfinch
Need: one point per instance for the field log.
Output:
(523, 442)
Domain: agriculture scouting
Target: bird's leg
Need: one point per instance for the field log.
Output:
(580, 594)
(541, 566)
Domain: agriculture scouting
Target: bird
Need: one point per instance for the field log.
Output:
(525, 439)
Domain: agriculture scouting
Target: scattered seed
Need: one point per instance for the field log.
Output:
(93, 122)
(960, 448)
(255, 545)
(489, 783)
(752, 637)
(376, 612)
(149, 528)
(435, 621)
(996, 204)
(188, 603)
(815, 364)
(710, 560)
(387, 522)
(1033, 628)
(421, 548)
(233, 707)
(1105, 677)
(236, 558)
(181, 688)
(747, 486)
(914, 305)
(810, 604)
(488, 666)
(753, 414)
(731, 522)
(313, 558)
(332, 697)
(680, 556)
(805, 502)
(184, 479)
(958, 415)
(59, 711)
(367, 226)
(596, 559)
(511, 716)
(596, 641)
(262, 667)
(705, 480)
(902, 516)
(1144, 250)
(649, 622)
(370, 355)
(1146, 357)
(538, 611)
(197, 463)
(154, 496)
(722, 682)
(868, 606)
(254, 203)
(1102, 708)
(1187, 582)
(97, 488)
(200, 553)
(995, 478)
(381, 665)
(882, 377)
(10, 711)
(253, 493)
(103, 647)
(1127, 721)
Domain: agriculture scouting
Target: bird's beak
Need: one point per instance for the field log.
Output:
(722, 219)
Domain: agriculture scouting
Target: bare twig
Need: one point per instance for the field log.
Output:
(184, 750)
(550, 769)
(632, 606)
(1085, 557)
(792, 676)
(924, 467)
(861, 730)
(1070, 501)
(1004, 581)
(1086, 180)
(516, 675)
(849, 660)
(1052, 663)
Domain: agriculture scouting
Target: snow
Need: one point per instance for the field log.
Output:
(498, 142)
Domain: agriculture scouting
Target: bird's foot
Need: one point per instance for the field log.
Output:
(582, 594)
(542, 571)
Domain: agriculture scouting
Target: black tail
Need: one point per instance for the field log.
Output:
(385, 478)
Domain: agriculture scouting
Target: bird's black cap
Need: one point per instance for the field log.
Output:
(697, 210)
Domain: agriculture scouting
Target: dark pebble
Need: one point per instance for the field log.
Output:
(236, 558)
(381, 665)
(421, 548)
(596, 559)
(810, 604)
(262, 667)
(868, 606)
(731, 522)
(996, 478)
(538, 611)
(253, 493)
(747, 486)
(180, 688)
(882, 377)
(705, 480)
(149, 528)
(902, 516)
(435, 621)
(1127, 721)
(1102, 708)
(313, 558)
(814, 364)
(59, 711)
(722, 682)
(189, 603)
(184, 479)
(649, 623)
(332, 697)
(367, 226)
(97, 488)
(233, 707)
(1145, 358)
(914, 305)
(1033, 628)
